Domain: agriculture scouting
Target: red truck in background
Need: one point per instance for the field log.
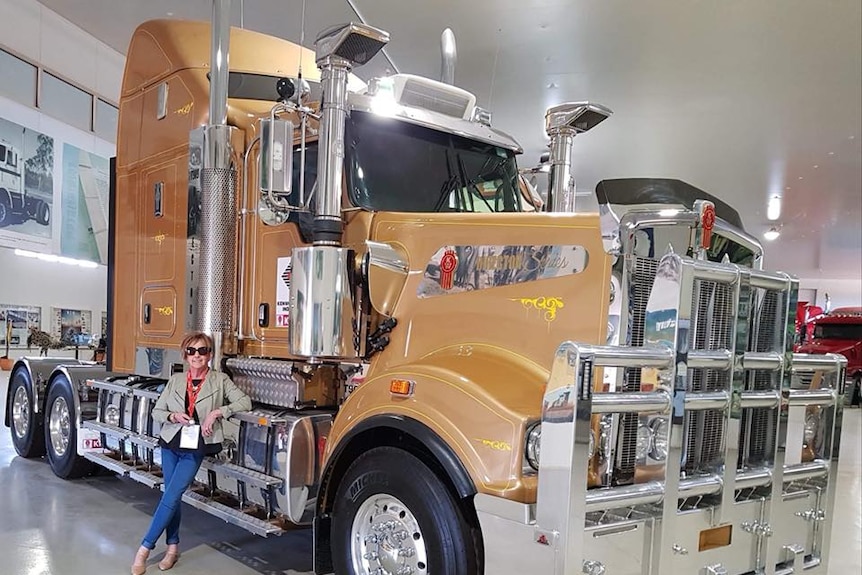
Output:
(840, 331)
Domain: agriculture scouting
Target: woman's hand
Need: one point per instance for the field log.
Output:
(209, 420)
(180, 417)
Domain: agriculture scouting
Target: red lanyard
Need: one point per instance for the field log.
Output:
(193, 391)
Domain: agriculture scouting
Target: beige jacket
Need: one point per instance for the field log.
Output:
(217, 391)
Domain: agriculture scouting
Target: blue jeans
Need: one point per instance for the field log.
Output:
(179, 469)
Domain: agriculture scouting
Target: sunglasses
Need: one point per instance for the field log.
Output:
(199, 350)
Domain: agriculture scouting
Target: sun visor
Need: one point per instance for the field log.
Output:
(659, 191)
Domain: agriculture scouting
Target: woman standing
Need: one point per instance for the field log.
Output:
(190, 410)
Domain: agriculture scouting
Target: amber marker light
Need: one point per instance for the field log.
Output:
(403, 387)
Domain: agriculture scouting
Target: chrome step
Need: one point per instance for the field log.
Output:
(108, 462)
(145, 440)
(146, 393)
(241, 473)
(233, 516)
(147, 478)
(110, 386)
(107, 429)
(121, 433)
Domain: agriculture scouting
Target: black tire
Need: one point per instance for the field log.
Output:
(5, 210)
(451, 545)
(43, 213)
(28, 435)
(61, 434)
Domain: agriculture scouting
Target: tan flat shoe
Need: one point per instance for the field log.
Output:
(139, 567)
(168, 561)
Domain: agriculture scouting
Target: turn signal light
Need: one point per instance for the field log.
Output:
(401, 387)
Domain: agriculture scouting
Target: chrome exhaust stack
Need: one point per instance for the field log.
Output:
(562, 124)
(321, 302)
(449, 57)
(217, 271)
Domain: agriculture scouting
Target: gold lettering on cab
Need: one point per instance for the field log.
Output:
(495, 445)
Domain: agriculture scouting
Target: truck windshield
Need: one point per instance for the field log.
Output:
(852, 331)
(397, 166)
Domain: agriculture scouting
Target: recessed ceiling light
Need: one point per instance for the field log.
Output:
(170, 13)
(816, 166)
(771, 234)
(800, 178)
(787, 188)
(831, 153)
(852, 137)
(773, 208)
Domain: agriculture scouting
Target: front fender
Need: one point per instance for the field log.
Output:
(476, 398)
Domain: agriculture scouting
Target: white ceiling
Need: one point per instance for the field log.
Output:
(743, 99)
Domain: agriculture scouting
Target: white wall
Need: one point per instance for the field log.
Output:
(843, 293)
(42, 36)
(28, 281)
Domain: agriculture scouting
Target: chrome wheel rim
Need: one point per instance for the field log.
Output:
(59, 426)
(386, 539)
(21, 413)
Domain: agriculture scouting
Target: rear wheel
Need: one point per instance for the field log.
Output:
(393, 515)
(62, 433)
(5, 211)
(27, 435)
(43, 213)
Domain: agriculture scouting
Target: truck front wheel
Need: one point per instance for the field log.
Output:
(62, 433)
(27, 435)
(393, 515)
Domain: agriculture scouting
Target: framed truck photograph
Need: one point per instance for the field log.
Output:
(72, 326)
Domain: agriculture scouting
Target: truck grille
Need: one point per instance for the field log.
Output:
(640, 285)
(765, 334)
(711, 320)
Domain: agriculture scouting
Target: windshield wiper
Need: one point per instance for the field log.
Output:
(446, 189)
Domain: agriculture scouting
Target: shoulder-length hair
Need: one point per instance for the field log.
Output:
(193, 337)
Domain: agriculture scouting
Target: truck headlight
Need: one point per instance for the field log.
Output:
(644, 441)
(658, 451)
(533, 446)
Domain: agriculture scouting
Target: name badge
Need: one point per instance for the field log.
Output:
(189, 436)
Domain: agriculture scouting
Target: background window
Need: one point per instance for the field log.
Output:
(17, 79)
(66, 102)
(105, 122)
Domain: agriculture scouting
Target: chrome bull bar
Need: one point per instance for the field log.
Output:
(563, 500)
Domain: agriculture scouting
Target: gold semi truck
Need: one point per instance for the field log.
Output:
(447, 378)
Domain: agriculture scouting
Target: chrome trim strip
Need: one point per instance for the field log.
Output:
(748, 399)
(636, 402)
(795, 397)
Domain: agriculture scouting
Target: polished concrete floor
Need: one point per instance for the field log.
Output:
(93, 526)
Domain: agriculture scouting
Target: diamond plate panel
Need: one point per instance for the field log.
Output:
(267, 381)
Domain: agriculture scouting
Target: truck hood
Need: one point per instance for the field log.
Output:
(821, 346)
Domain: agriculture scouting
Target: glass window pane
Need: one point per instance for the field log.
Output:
(66, 102)
(17, 79)
(105, 124)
